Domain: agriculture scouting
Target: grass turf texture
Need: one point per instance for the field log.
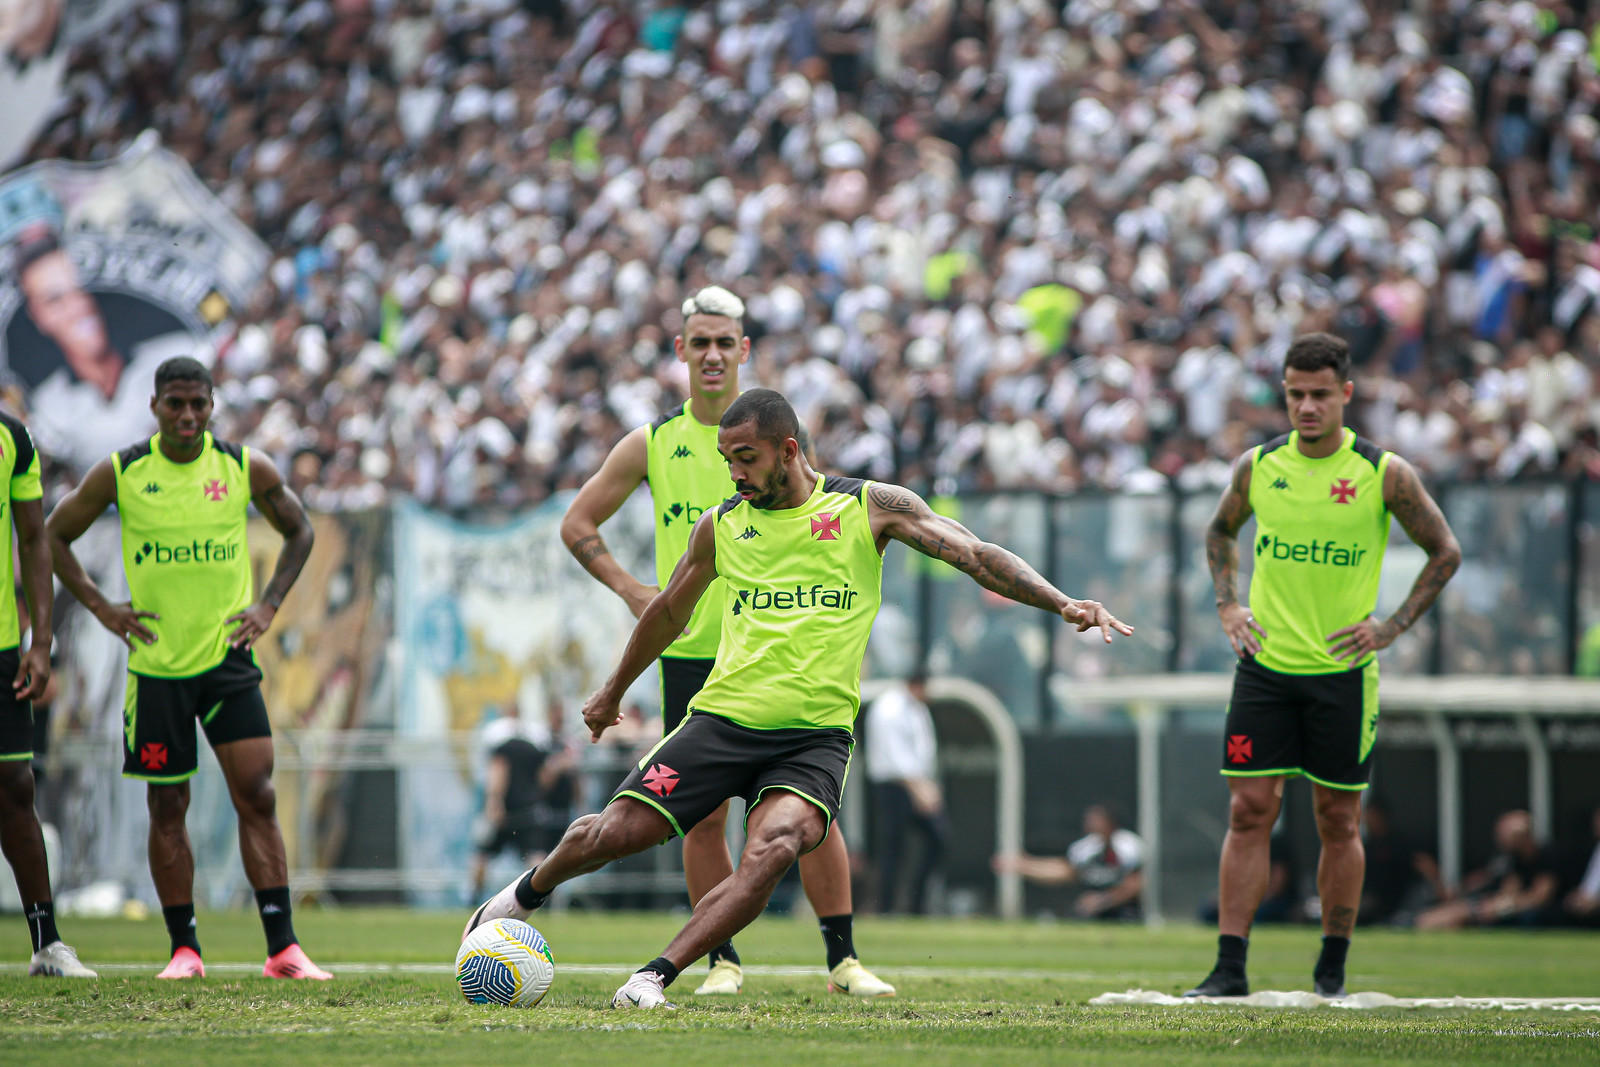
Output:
(973, 991)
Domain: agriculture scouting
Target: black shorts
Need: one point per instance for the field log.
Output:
(523, 840)
(158, 717)
(708, 759)
(1318, 725)
(681, 679)
(16, 716)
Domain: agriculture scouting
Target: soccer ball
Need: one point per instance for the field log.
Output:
(505, 962)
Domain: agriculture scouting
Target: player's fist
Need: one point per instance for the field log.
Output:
(601, 712)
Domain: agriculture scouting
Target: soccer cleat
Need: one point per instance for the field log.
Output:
(726, 979)
(185, 964)
(503, 905)
(1329, 985)
(1221, 983)
(855, 980)
(643, 989)
(56, 960)
(293, 962)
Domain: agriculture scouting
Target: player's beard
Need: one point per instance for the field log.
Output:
(772, 491)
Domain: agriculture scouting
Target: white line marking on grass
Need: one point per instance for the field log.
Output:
(1355, 1001)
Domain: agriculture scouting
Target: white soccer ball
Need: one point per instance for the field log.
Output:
(505, 962)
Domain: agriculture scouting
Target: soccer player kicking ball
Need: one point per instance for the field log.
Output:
(181, 499)
(801, 555)
(20, 492)
(1305, 692)
(677, 456)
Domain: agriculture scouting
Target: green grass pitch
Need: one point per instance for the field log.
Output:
(970, 992)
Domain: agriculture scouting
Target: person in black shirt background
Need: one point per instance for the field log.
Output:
(528, 792)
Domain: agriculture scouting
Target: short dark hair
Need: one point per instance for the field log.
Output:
(182, 369)
(774, 417)
(1314, 351)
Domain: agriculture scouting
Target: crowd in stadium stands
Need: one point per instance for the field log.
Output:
(1016, 243)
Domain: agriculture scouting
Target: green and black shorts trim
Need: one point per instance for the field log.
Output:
(681, 679)
(708, 759)
(158, 717)
(16, 716)
(1321, 726)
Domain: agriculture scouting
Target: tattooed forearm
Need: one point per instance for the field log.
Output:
(1425, 524)
(1008, 574)
(588, 549)
(1222, 555)
(282, 510)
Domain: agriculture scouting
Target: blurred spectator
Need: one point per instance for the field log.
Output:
(1517, 888)
(903, 773)
(1400, 878)
(1025, 245)
(529, 789)
(1582, 904)
(1107, 862)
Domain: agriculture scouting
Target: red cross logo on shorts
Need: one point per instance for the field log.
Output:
(660, 779)
(153, 755)
(1239, 748)
(825, 527)
(1343, 491)
(215, 490)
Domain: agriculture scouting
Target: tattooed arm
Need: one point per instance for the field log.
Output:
(282, 510)
(623, 471)
(1222, 555)
(1425, 524)
(904, 516)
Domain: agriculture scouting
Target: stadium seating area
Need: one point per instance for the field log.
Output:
(1001, 244)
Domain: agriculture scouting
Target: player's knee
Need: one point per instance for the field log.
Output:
(16, 786)
(167, 804)
(1338, 822)
(776, 848)
(1249, 812)
(257, 799)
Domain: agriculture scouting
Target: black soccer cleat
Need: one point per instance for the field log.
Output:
(1221, 983)
(1328, 985)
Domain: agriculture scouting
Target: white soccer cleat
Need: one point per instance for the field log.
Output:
(855, 980)
(643, 989)
(503, 905)
(725, 980)
(57, 960)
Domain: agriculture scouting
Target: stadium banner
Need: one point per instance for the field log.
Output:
(490, 619)
(37, 38)
(106, 270)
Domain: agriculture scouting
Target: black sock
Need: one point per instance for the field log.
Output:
(662, 966)
(273, 904)
(528, 896)
(180, 927)
(723, 951)
(1231, 953)
(41, 923)
(836, 934)
(1331, 962)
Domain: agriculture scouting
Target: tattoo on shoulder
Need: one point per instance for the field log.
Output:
(892, 498)
(589, 549)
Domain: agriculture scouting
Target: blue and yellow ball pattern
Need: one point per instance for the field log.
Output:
(505, 962)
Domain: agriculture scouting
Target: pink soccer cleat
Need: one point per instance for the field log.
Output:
(293, 962)
(185, 964)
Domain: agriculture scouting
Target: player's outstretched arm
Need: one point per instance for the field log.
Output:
(662, 620)
(1222, 555)
(284, 513)
(622, 472)
(898, 513)
(67, 522)
(1419, 516)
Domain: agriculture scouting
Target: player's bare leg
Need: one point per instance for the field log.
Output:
(172, 870)
(825, 874)
(706, 865)
(247, 767)
(625, 827)
(1242, 878)
(22, 841)
(1341, 870)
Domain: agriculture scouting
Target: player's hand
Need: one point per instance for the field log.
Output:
(33, 673)
(638, 598)
(601, 712)
(123, 620)
(1244, 633)
(253, 622)
(1089, 905)
(1354, 643)
(1088, 614)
